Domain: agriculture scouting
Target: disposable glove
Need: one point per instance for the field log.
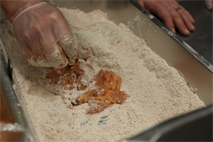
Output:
(45, 37)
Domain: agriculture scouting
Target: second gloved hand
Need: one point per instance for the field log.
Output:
(44, 34)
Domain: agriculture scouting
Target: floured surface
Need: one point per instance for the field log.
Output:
(157, 92)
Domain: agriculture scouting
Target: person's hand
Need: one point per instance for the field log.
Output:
(172, 14)
(209, 4)
(45, 37)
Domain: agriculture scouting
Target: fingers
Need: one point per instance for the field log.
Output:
(32, 50)
(167, 19)
(209, 4)
(46, 55)
(179, 23)
(66, 41)
(39, 57)
(141, 2)
(42, 49)
(55, 47)
(189, 15)
(178, 19)
(172, 14)
(69, 47)
(54, 55)
(183, 22)
(27, 52)
(83, 52)
(51, 50)
(186, 19)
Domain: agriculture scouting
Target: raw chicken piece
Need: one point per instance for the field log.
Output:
(68, 78)
(106, 93)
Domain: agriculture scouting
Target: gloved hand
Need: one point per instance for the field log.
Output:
(209, 4)
(44, 34)
(172, 14)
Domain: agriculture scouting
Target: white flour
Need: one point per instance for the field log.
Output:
(157, 92)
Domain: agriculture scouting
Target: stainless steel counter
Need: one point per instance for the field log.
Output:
(201, 39)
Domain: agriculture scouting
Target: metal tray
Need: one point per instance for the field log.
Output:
(197, 71)
(9, 99)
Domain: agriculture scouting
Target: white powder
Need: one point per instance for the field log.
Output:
(157, 92)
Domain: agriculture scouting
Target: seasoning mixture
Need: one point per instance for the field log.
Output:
(103, 94)
(157, 92)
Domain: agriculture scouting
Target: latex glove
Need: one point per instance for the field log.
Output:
(45, 37)
(167, 11)
(209, 4)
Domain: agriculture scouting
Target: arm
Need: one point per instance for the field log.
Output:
(13, 8)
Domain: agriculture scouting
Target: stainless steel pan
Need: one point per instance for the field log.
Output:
(197, 71)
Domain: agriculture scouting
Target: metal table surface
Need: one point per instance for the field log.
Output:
(201, 38)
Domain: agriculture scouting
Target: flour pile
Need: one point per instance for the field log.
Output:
(157, 92)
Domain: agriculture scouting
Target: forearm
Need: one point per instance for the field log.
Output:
(13, 8)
